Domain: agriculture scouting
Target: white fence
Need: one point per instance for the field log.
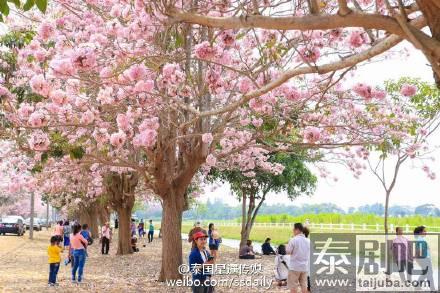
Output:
(335, 227)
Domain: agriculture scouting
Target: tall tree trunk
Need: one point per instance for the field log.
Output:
(431, 12)
(88, 215)
(31, 223)
(248, 217)
(121, 197)
(387, 200)
(124, 231)
(173, 206)
(243, 237)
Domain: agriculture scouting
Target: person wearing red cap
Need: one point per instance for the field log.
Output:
(198, 257)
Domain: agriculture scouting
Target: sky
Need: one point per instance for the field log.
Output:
(413, 187)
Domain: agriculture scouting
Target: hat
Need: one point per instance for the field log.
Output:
(198, 235)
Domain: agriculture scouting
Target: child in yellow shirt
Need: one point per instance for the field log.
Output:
(54, 254)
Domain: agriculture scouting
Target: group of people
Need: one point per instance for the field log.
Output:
(406, 255)
(291, 262)
(75, 238)
(141, 233)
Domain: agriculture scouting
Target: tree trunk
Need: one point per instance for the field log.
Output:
(124, 231)
(88, 215)
(120, 191)
(243, 221)
(31, 223)
(387, 200)
(47, 215)
(431, 12)
(171, 226)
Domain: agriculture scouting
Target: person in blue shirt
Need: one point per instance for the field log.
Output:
(199, 257)
(266, 248)
(85, 232)
(150, 232)
(423, 258)
(214, 241)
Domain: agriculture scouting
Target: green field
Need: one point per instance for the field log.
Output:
(279, 227)
(356, 218)
(279, 235)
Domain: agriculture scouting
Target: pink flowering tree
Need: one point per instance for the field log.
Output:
(418, 102)
(252, 185)
(378, 24)
(116, 86)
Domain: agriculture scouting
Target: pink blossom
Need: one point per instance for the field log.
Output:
(211, 160)
(84, 58)
(205, 51)
(101, 135)
(207, 138)
(144, 86)
(106, 72)
(244, 85)
(37, 119)
(25, 110)
(4, 92)
(363, 90)
(137, 72)
(151, 123)
(124, 121)
(310, 54)
(59, 97)
(312, 134)
(46, 31)
(227, 38)
(146, 138)
(408, 90)
(87, 117)
(292, 94)
(357, 38)
(172, 74)
(378, 94)
(117, 139)
(257, 122)
(62, 67)
(116, 11)
(39, 85)
(39, 141)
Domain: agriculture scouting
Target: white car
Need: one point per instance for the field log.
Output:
(37, 224)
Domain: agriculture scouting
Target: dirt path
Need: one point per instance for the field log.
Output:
(24, 268)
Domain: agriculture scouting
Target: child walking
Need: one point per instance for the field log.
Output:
(54, 254)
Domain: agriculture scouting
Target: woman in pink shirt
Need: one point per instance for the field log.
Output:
(79, 244)
(59, 230)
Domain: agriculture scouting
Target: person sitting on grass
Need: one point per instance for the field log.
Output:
(54, 254)
(199, 257)
(266, 248)
(281, 265)
(247, 251)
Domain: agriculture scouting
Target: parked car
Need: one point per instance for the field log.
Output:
(37, 224)
(43, 223)
(13, 225)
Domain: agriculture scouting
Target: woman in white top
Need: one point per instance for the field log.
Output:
(281, 265)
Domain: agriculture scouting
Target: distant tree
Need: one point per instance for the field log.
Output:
(351, 210)
(295, 179)
(417, 99)
(427, 210)
(376, 209)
